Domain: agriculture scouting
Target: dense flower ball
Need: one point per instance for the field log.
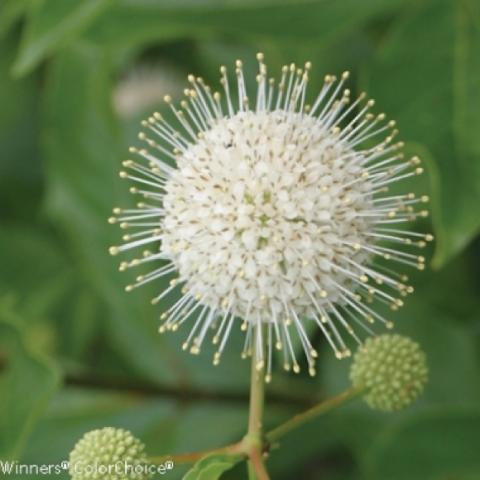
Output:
(271, 211)
(393, 369)
(272, 220)
(110, 453)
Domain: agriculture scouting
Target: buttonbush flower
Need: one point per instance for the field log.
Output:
(392, 368)
(269, 210)
(111, 453)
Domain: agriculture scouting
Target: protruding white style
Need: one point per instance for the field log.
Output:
(271, 211)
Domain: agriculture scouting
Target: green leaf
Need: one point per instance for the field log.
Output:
(10, 12)
(426, 74)
(51, 292)
(20, 165)
(23, 246)
(86, 310)
(133, 23)
(27, 383)
(82, 147)
(51, 25)
(436, 444)
(211, 467)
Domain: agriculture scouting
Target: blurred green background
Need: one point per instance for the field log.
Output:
(77, 353)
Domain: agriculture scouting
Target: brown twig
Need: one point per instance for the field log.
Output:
(256, 460)
(192, 457)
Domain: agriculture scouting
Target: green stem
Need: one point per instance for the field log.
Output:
(257, 392)
(317, 410)
(253, 440)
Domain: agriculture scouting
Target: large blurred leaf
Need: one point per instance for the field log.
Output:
(20, 171)
(51, 25)
(22, 248)
(134, 22)
(36, 275)
(437, 444)
(60, 311)
(83, 150)
(27, 381)
(427, 74)
(10, 12)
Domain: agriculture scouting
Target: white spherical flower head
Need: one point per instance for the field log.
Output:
(272, 213)
(271, 221)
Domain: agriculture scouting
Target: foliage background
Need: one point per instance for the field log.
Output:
(78, 353)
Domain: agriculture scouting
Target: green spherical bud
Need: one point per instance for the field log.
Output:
(110, 453)
(393, 370)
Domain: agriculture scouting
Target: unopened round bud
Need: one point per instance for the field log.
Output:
(393, 370)
(111, 453)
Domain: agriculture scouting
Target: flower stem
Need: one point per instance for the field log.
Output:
(253, 440)
(315, 411)
(192, 457)
(256, 467)
(256, 400)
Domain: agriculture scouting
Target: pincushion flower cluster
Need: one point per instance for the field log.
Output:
(392, 370)
(109, 453)
(270, 212)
